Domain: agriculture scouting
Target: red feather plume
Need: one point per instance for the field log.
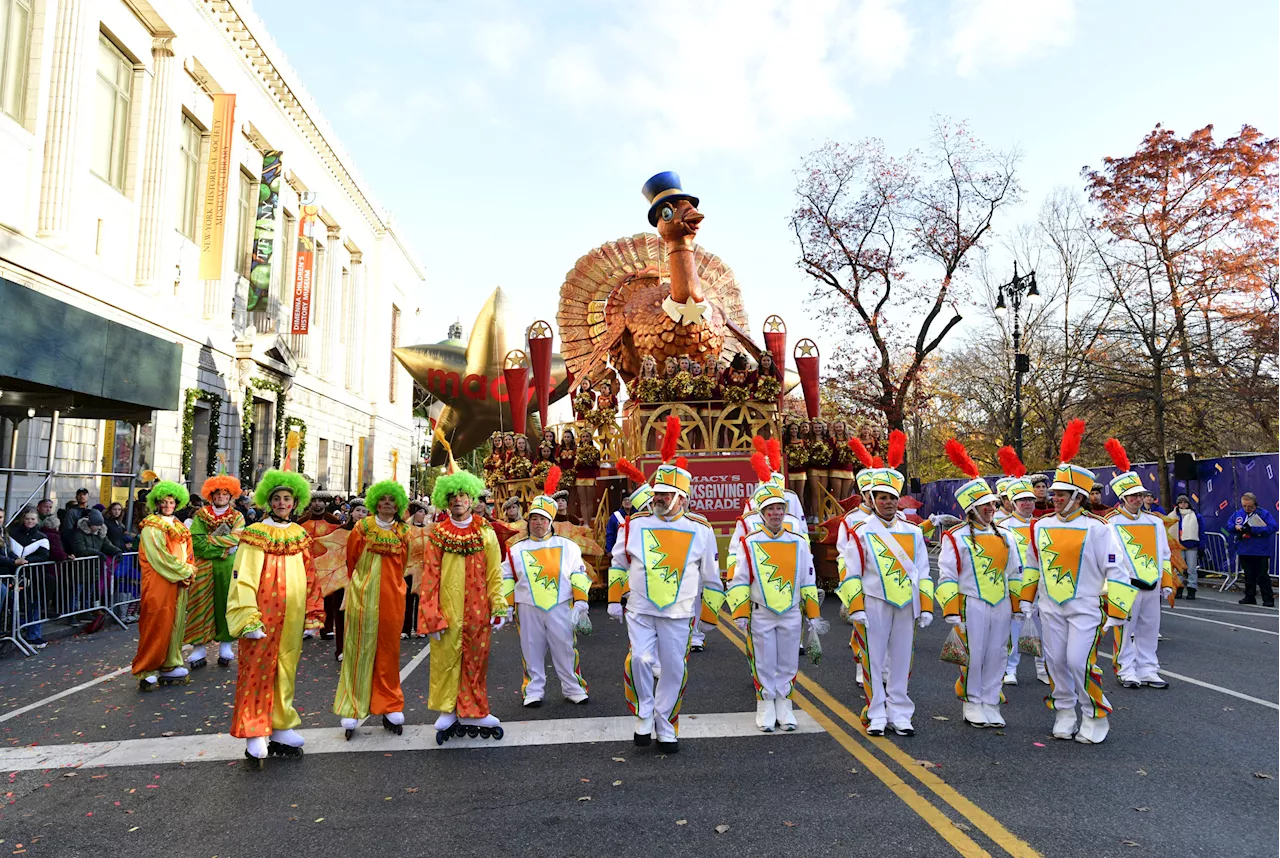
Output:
(671, 439)
(877, 462)
(760, 444)
(860, 450)
(553, 480)
(1010, 463)
(897, 448)
(959, 457)
(1116, 451)
(682, 462)
(630, 471)
(1071, 439)
(775, 454)
(761, 466)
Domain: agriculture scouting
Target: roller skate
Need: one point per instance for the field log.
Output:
(198, 658)
(177, 676)
(147, 684)
(448, 726)
(487, 727)
(285, 743)
(349, 727)
(256, 751)
(394, 722)
(226, 654)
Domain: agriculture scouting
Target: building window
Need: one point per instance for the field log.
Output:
(395, 344)
(244, 238)
(189, 162)
(111, 135)
(15, 40)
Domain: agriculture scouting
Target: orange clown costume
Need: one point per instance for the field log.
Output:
(164, 552)
(377, 557)
(215, 536)
(772, 588)
(1081, 592)
(545, 580)
(886, 589)
(459, 602)
(979, 584)
(267, 609)
(1142, 545)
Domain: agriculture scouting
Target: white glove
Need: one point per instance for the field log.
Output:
(511, 612)
(577, 612)
(1027, 608)
(1112, 623)
(615, 611)
(925, 619)
(498, 622)
(435, 636)
(1166, 592)
(952, 619)
(255, 635)
(859, 617)
(741, 623)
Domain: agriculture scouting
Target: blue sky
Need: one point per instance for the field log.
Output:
(510, 138)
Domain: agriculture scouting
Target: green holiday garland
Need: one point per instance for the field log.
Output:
(247, 426)
(189, 426)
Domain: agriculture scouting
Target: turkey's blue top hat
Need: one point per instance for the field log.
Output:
(662, 188)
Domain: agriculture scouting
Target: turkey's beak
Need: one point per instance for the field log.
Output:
(693, 219)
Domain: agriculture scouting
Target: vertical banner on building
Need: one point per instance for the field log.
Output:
(217, 178)
(264, 232)
(304, 269)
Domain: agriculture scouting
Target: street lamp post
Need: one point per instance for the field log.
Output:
(1016, 288)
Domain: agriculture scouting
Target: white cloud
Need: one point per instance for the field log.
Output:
(501, 44)
(881, 39)
(1000, 33)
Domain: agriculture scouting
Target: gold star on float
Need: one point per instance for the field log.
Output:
(470, 383)
(774, 324)
(539, 330)
(806, 348)
(516, 359)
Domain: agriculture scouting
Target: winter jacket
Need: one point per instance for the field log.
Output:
(1190, 543)
(1254, 541)
(31, 544)
(120, 538)
(90, 541)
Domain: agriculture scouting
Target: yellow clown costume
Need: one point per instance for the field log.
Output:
(886, 586)
(659, 564)
(1142, 546)
(772, 589)
(1081, 590)
(979, 587)
(546, 582)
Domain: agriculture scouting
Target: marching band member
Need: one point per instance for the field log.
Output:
(1081, 593)
(545, 579)
(886, 587)
(979, 582)
(1142, 543)
(772, 587)
(1019, 500)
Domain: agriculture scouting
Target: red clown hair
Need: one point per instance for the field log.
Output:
(1116, 451)
(959, 457)
(630, 471)
(1010, 463)
(761, 466)
(222, 482)
(553, 481)
(897, 448)
(671, 438)
(860, 450)
(1071, 439)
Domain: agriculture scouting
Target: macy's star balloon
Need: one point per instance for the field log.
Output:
(469, 381)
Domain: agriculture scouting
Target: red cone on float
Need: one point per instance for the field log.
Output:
(806, 358)
(775, 340)
(539, 337)
(515, 371)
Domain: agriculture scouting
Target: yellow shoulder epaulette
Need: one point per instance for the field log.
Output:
(1096, 517)
(698, 518)
(953, 528)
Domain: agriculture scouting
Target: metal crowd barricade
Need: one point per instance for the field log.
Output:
(126, 588)
(1216, 558)
(9, 614)
(58, 591)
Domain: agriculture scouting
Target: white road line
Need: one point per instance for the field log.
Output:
(417, 737)
(1202, 684)
(1266, 615)
(61, 694)
(1167, 613)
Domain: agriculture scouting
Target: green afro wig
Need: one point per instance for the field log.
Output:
(378, 491)
(167, 489)
(273, 480)
(451, 484)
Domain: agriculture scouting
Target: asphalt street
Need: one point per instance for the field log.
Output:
(1190, 771)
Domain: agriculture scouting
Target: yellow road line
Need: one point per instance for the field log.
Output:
(937, 820)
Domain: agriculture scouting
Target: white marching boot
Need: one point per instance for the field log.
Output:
(994, 718)
(1093, 730)
(766, 718)
(786, 717)
(975, 714)
(1064, 724)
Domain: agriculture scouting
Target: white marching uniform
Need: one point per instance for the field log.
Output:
(1020, 528)
(773, 587)
(542, 578)
(794, 509)
(887, 576)
(1142, 545)
(670, 574)
(980, 581)
(1073, 576)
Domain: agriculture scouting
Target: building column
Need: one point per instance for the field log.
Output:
(325, 311)
(66, 77)
(156, 210)
(354, 311)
